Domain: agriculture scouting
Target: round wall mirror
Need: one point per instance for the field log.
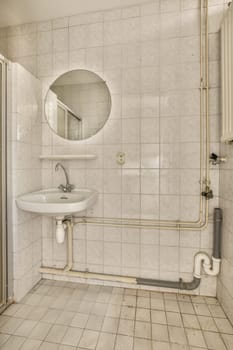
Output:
(77, 104)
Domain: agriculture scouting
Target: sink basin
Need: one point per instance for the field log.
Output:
(54, 202)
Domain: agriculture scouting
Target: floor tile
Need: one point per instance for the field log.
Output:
(174, 319)
(195, 338)
(157, 304)
(224, 325)
(191, 321)
(177, 335)
(110, 325)
(128, 312)
(99, 309)
(143, 302)
(51, 316)
(89, 339)
(124, 342)
(59, 315)
(160, 345)
(25, 329)
(49, 346)
(79, 320)
(207, 323)
(142, 344)
(158, 316)
(37, 313)
(143, 315)
(201, 309)
(95, 322)
(216, 311)
(106, 341)
(171, 305)
(160, 332)
(214, 341)
(11, 325)
(24, 312)
(66, 347)
(31, 344)
(40, 331)
(72, 336)
(186, 308)
(142, 330)
(228, 340)
(56, 334)
(3, 338)
(126, 327)
(65, 318)
(12, 309)
(13, 343)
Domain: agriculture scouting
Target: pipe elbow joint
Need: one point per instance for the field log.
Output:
(211, 266)
(207, 267)
(214, 269)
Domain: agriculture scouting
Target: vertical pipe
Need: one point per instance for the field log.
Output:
(207, 105)
(69, 245)
(201, 114)
(223, 79)
(217, 233)
(3, 179)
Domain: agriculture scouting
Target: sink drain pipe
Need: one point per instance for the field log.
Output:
(211, 266)
(202, 261)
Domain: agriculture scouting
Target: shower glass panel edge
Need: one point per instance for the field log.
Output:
(4, 294)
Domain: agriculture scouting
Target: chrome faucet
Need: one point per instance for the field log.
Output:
(68, 187)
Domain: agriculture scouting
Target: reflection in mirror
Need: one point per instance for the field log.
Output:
(77, 105)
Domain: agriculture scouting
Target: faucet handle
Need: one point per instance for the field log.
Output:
(62, 188)
(69, 187)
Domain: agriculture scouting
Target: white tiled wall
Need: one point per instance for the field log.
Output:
(3, 41)
(25, 94)
(149, 55)
(225, 282)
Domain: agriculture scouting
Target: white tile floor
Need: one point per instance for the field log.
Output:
(69, 316)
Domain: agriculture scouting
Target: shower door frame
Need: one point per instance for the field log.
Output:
(4, 243)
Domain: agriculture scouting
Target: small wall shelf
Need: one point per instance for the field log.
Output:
(68, 157)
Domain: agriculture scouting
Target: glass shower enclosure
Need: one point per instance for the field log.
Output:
(3, 184)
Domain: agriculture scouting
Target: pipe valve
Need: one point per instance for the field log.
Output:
(216, 160)
(208, 193)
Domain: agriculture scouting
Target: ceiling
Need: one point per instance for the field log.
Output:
(14, 12)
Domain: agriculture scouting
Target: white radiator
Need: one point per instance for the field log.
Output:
(227, 76)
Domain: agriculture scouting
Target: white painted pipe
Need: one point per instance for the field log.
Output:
(69, 226)
(88, 275)
(211, 266)
(201, 260)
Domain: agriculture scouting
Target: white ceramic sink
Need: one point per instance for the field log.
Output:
(54, 202)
